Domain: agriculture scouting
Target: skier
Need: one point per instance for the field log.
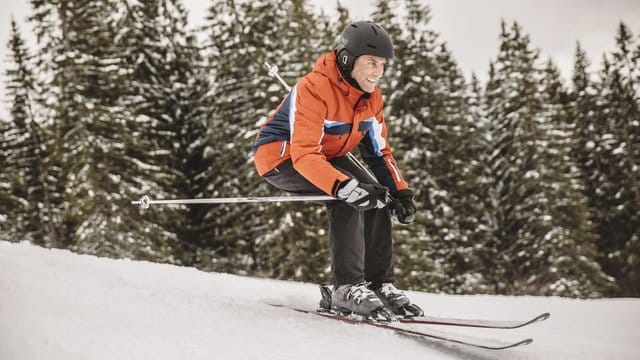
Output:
(304, 149)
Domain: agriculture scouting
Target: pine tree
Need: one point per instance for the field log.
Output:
(24, 155)
(164, 111)
(226, 134)
(583, 110)
(10, 202)
(275, 240)
(93, 150)
(191, 121)
(617, 192)
(459, 165)
(65, 86)
(341, 23)
(578, 273)
(168, 84)
(13, 189)
(332, 27)
(542, 232)
(241, 38)
(403, 94)
(437, 143)
(281, 33)
(299, 252)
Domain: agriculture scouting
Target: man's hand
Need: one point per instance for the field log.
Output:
(362, 196)
(402, 206)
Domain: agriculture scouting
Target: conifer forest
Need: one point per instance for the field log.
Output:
(525, 184)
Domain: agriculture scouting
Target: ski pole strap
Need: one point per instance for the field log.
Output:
(145, 202)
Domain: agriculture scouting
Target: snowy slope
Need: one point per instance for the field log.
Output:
(58, 305)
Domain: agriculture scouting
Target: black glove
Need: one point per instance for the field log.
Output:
(402, 206)
(362, 196)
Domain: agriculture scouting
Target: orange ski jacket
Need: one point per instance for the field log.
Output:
(324, 117)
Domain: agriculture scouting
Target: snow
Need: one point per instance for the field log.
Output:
(55, 304)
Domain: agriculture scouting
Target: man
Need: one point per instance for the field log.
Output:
(304, 149)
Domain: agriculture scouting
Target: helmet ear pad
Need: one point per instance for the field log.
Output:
(345, 60)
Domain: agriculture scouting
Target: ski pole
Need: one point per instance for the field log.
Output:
(145, 202)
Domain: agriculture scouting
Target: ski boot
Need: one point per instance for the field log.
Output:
(354, 299)
(397, 301)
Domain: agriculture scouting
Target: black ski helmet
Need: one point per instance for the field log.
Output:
(362, 38)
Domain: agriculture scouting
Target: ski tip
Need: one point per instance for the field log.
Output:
(537, 319)
(523, 342)
(501, 347)
(542, 317)
(510, 346)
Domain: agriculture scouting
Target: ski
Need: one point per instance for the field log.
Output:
(416, 316)
(476, 323)
(419, 335)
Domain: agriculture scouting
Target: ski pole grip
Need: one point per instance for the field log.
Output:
(144, 202)
(273, 69)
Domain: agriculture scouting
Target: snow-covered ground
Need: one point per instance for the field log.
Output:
(58, 305)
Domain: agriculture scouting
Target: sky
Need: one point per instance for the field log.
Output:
(469, 27)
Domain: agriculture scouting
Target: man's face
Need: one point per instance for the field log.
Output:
(367, 71)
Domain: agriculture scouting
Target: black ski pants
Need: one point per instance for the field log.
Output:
(360, 241)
